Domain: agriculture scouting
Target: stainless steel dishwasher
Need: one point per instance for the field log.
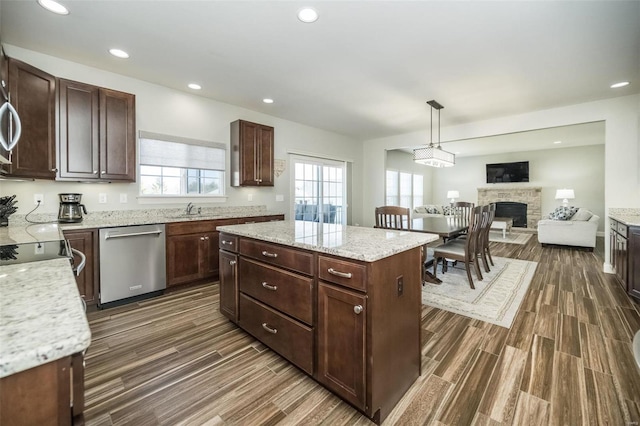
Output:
(132, 263)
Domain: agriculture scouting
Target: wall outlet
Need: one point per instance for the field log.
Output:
(123, 198)
(102, 198)
(279, 197)
(38, 198)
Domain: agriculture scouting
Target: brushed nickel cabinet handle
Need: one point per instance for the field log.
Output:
(269, 287)
(358, 309)
(201, 238)
(267, 254)
(269, 329)
(230, 243)
(232, 262)
(206, 238)
(54, 170)
(339, 274)
(95, 172)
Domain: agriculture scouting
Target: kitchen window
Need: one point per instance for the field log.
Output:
(404, 189)
(174, 166)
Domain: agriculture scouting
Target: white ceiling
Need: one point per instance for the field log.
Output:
(365, 68)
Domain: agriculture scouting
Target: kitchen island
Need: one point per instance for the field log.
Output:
(341, 303)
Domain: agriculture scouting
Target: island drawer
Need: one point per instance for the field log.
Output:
(295, 260)
(284, 335)
(228, 242)
(288, 292)
(345, 273)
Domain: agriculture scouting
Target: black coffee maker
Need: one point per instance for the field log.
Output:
(70, 208)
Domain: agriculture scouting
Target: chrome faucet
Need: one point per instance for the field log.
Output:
(189, 208)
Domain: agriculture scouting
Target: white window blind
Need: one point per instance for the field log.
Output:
(173, 151)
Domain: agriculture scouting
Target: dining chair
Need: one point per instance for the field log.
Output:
(392, 217)
(463, 209)
(484, 246)
(462, 250)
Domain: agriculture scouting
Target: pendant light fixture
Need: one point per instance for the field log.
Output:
(434, 155)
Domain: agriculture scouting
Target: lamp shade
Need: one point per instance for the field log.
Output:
(453, 194)
(562, 194)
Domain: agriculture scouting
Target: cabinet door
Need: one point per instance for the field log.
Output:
(210, 255)
(612, 245)
(78, 148)
(248, 153)
(229, 285)
(85, 241)
(32, 94)
(117, 136)
(184, 258)
(633, 271)
(264, 159)
(342, 334)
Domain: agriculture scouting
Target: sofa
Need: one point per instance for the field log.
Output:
(430, 210)
(569, 226)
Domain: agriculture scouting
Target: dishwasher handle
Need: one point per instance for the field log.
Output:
(83, 261)
(134, 234)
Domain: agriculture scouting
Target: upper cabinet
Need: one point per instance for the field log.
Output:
(32, 94)
(251, 154)
(97, 133)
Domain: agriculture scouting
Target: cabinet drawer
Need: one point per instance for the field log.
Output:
(348, 274)
(613, 225)
(622, 230)
(228, 242)
(284, 335)
(295, 260)
(196, 227)
(285, 291)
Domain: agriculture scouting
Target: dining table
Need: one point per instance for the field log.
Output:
(446, 227)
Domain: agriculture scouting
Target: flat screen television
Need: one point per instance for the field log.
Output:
(508, 172)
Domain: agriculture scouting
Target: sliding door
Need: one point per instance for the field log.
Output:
(319, 190)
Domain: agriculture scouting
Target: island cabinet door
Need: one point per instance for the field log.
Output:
(342, 326)
(229, 285)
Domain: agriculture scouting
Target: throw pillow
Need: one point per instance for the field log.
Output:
(447, 210)
(582, 214)
(563, 213)
(421, 209)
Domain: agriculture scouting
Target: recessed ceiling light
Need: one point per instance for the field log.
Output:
(308, 15)
(119, 53)
(621, 84)
(557, 142)
(267, 101)
(53, 6)
(194, 86)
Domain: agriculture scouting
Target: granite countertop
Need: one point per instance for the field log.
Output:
(629, 220)
(353, 242)
(30, 233)
(42, 317)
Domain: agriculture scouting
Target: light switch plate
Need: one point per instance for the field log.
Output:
(279, 197)
(102, 198)
(123, 198)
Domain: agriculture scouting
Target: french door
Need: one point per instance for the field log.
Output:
(319, 190)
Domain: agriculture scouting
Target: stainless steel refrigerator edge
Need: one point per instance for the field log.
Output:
(132, 262)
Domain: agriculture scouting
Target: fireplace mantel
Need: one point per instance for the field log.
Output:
(531, 196)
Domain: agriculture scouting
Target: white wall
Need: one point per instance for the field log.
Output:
(400, 160)
(622, 142)
(163, 110)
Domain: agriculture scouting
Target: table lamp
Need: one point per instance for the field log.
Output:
(453, 195)
(565, 195)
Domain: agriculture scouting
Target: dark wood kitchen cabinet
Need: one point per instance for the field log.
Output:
(229, 276)
(32, 92)
(252, 150)
(624, 255)
(97, 133)
(329, 316)
(86, 241)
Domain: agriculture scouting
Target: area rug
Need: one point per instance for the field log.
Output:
(496, 298)
(511, 238)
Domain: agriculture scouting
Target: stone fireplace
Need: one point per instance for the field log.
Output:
(531, 196)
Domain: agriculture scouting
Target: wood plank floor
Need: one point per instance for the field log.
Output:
(567, 360)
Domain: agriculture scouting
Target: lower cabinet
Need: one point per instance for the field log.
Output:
(624, 255)
(86, 241)
(353, 326)
(49, 394)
